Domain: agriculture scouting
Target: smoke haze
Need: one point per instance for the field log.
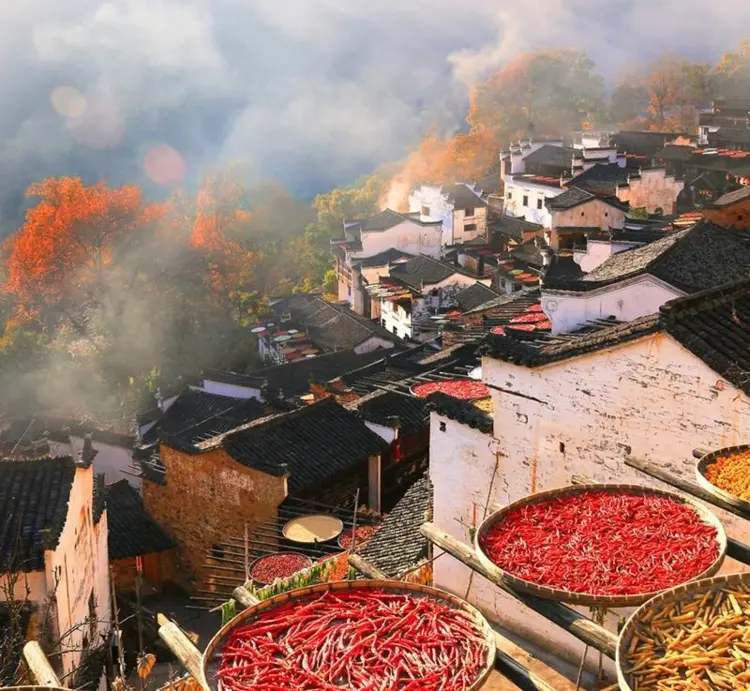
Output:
(312, 92)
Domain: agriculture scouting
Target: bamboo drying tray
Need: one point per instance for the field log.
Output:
(319, 528)
(685, 592)
(211, 657)
(589, 599)
(709, 459)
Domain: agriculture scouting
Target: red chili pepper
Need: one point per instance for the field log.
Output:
(600, 542)
(355, 640)
(464, 389)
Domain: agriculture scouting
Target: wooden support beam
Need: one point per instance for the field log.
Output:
(39, 665)
(700, 453)
(658, 473)
(566, 618)
(182, 647)
(243, 597)
(369, 570)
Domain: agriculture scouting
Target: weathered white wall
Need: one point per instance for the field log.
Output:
(461, 220)
(597, 252)
(592, 214)
(651, 399)
(395, 318)
(626, 301)
(386, 433)
(440, 210)
(74, 568)
(371, 344)
(231, 390)
(514, 194)
(407, 237)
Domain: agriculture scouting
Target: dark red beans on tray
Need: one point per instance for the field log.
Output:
(282, 565)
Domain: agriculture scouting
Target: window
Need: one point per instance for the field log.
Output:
(469, 212)
(442, 427)
(606, 214)
(525, 199)
(509, 195)
(470, 226)
(583, 213)
(539, 204)
(425, 210)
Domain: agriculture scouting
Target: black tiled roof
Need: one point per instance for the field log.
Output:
(740, 195)
(195, 415)
(421, 270)
(461, 197)
(515, 302)
(315, 443)
(381, 407)
(132, 532)
(460, 411)
(234, 378)
(34, 498)
(385, 220)
(642, 142)
(398, 546)
(384, 258)
(574, 196)
(475, 295)
(513, 227)
(672, 152)
(548, 155)
(152, 468)
(536, 352)
(563, 268)
(330, 326)
(729, 135)
(692, 259)
(601, 179)
(293, 378)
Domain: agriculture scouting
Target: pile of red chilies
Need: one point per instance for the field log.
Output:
(603, 543)
(361, 640)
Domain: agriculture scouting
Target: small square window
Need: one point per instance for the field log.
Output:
(470, 226)
(539, 204)
(469, 212)
(425, 211)
(583, 213)
(510, 195)
(606, 214)
(525, 200)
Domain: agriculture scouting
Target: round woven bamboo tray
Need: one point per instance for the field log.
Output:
(320, 527)
(710, 458)
(211, 657)
(587, 598)
(686, 591)
(308, 564)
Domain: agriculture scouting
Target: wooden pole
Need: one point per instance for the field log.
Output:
(566, 618)
(243, 597)
(182, 647)
(39, 665)
(658, 473)
(115, 609)
(367, 569)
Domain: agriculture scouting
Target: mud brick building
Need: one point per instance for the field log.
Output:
(731, 210)
(214, 486)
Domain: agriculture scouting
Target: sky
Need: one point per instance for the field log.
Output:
(311, 92)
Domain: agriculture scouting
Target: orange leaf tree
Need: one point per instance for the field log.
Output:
(69, 238)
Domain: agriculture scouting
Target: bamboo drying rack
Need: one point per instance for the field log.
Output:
(709, 458)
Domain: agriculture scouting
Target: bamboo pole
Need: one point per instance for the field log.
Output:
(243, 597)
(566, 618)
(658, 473)
(39, 665)
(182, 647)
(367, 569)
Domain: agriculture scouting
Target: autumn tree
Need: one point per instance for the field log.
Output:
(733, 72)
(549, 92)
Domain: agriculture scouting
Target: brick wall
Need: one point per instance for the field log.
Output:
(734, 216)
(208, 498)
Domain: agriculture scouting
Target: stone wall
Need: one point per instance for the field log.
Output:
(208, 498)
